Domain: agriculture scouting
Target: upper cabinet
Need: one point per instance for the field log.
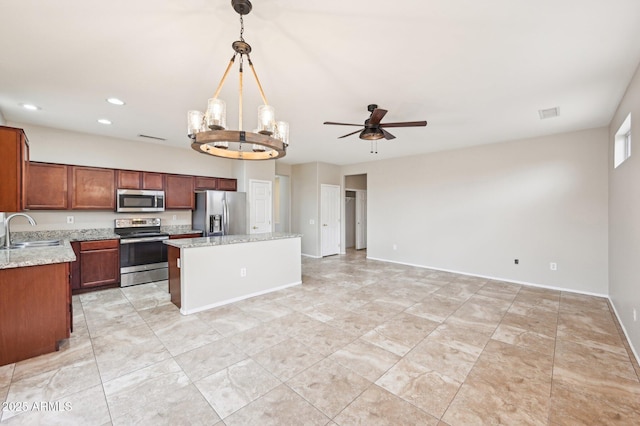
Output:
(47, 186)
(13, 169)
(132, 179)
(221, 184)
(179, 192)
(227, 184)
(92, 188)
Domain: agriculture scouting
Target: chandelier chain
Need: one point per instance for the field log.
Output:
(241, 28)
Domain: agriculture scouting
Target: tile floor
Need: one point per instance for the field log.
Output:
(360, 342)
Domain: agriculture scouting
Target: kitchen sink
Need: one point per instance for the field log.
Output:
(32, 244)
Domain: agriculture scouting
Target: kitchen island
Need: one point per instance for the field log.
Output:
(213, 271)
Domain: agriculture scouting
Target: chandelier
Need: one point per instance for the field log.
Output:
(208, 131)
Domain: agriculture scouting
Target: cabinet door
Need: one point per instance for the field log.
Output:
(99, 263)
(13, 169)
(224, 184)
(128, 179)
(47, 186)
(202, 182)
(75, 267)
(179, 192)
(92, 188)
(153, 181)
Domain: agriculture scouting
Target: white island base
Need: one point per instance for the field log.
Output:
(214, 271)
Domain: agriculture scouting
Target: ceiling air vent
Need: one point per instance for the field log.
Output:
(152, 137)
(548, 113)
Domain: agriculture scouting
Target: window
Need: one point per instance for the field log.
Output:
(622, 143)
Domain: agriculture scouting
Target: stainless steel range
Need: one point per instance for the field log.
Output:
(143, 255)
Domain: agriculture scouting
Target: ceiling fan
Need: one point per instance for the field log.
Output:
(374, 129)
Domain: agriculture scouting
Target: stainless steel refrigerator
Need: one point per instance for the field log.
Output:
(220, 213)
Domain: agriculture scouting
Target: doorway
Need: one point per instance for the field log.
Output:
(330, 220)
(355, 207)
(260, 207)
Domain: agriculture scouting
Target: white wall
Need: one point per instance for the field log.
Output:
(355, 182)
(305, 193)
(60, 146)
(3, 122)
(624, 218)
(475, 210)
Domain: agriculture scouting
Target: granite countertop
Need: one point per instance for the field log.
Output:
(69, 234)
(33, 256)
(179, 230)
(229, 239)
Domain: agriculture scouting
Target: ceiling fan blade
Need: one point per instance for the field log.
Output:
(387, 135)
(405, 124)
(352, 133)
(377, 115)
(342, 124)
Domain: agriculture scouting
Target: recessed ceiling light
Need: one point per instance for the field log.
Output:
(115, 101)
(104, 121)
(30, 107)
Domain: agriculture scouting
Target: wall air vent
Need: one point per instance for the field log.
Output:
(152, 137)
(548, 113)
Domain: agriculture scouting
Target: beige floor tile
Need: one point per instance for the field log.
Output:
(325, 339)
(443, 359)
(236, 386)
(184, 334)
(328, 386)
(86, 407)
(127, 350)
(281, 406)
(209, 359)
(418, 384)
(435, 308)
(401, 333)
(287, 358)
(6, 374)
(366, 359)
(377, 406)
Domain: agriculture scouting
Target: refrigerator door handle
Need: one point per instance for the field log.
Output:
(225, 217)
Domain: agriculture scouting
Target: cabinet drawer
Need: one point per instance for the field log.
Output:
(98, 245)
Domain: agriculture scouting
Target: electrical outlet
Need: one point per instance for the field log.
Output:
(312, 222)
(395, 247)
(553, 266)
(243, 272)
(175, 217)
(70, 219)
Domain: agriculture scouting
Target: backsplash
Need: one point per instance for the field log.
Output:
(57, 220)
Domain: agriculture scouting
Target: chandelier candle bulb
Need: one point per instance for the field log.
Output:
(195, 120)
(282, 132)
(266, 119)
(216, 114)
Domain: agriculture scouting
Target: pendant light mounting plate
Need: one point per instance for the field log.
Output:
(241, 47)
(242, 7)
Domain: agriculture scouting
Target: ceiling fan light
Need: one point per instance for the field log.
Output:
(371, 134)
(216, 115)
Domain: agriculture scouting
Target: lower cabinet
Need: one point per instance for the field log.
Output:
(35, 310)
(97, 265)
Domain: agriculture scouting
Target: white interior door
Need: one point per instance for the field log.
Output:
(330, 219)
(361, 219)
(260, 206)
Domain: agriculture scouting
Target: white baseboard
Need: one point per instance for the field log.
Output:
(624, 330)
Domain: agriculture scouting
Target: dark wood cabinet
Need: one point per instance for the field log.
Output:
(132, 179)
(224, 184)
(47, 186)
(221, 184)
(202, 182)
(179, 192)
(92, 188)
(173, 256)
(13, 169)
(152, 180)
(35, 312)
(97, 265)
(128, 179)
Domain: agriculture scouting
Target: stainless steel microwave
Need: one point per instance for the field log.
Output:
(139, 200)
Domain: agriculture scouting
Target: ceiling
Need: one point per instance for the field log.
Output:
(477, 71)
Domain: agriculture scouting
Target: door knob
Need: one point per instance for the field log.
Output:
(255, 227)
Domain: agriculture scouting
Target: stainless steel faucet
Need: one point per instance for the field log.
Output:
(7, 235)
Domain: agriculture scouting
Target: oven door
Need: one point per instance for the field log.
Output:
(143, 260)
